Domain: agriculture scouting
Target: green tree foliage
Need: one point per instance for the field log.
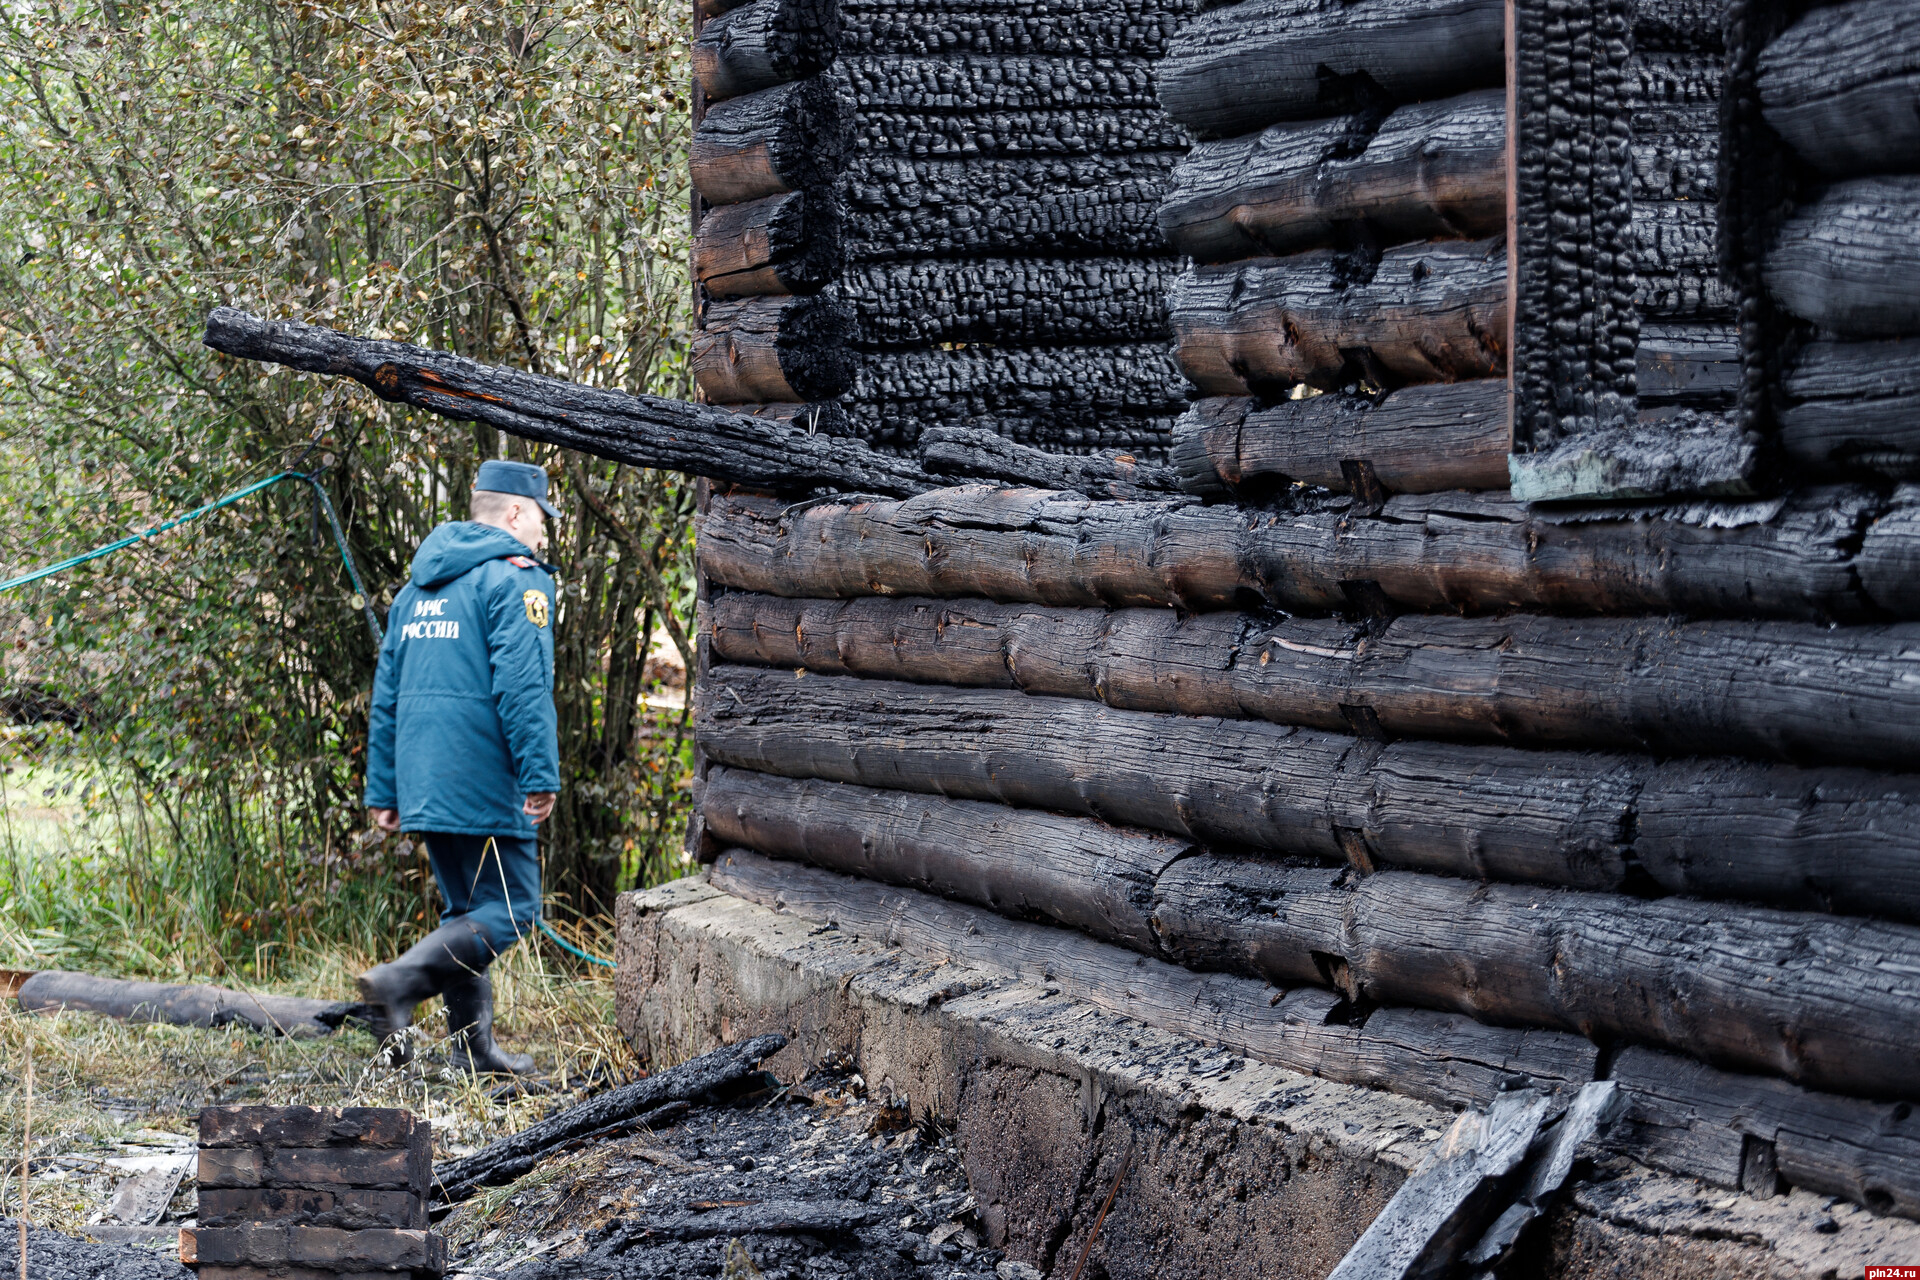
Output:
(506, 181)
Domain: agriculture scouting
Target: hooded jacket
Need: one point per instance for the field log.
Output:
(462, 725)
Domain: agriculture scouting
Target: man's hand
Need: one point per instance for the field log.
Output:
(387, 820)
(539, 805)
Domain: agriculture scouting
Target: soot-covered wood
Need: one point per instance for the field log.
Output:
(1850, 260)
(646, 431)
(977, 84)
(1072, 28)
(1779, 690)
(1839, 554)
(1242, 67)
(1688, 364)
(1009, 300)
(1676, 262)
(1853, 406)
(787, 138)
(1430, 171)
(1420, 439)
(777, 244)
(1840, 838)
(1842, 86)
(1423, 313)
(1441, 1058)
(965, 453)
(763, 44)
(774, 349)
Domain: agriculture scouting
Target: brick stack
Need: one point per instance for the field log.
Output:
(313, 1193)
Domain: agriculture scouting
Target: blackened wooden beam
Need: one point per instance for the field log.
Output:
(1053, 131)
(1082, 28)
(646, 431)
(1842, 86)
(1853, 407)
(1850, 260)
(985, 84)
(774, 245)
(768, 143)
(764, 43)
(963, 453)
(1008, 301)
(774, 349)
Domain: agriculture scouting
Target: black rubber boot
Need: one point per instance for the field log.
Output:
(470, 1019)
(455, 951)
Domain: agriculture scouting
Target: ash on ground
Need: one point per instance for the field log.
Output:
(812, 1180)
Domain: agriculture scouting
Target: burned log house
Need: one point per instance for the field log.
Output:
(1376, 534)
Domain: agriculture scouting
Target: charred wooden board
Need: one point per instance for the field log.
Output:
(821, 417)
(1009, 301)
(1689, 364)
(1445, 1059)
(765, 43)
(1854, 406)
(1430, 171)
(1067, 430)
(1677, 262)
(963, 452)
(1070, 28)
(1050, 132)
(1688, 26)
(646, 431)
(1850, 261)
(1844, 839)
(1660, 453)
(1017, 82)
(787, 138)
(777, 244)
(914, 207)
(1676, 152)
(1797, 557)
(1416, 440)
(1815, 999)
(779, 349)
(1842, 86)
(1774, 690)
(1425, 313)
(1236, 69)
(1066, 384)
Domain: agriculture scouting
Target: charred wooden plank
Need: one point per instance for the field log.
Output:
(1853, 406)
(1429, 171)
(1237, 69)
(1688, 364)
(1677, 261)
(780, 349)
(1840, 839)
(1445, 1059)
(787, 138)
(1017, 82)
(904, 423)
(913, 206)
(1049, 132)
(963, 452)
(1794, 557)
(1692, 1119)
(1426, 313)
(1009, 301)
(777, 244)
(821, 417)
(1073, 28)
(1676, 152)
(1812, 998)
(646, 431)
(1773, 690)
(764, 43)
(1416, 440)
(1662, 453)
(1023, 863)
(1850, 261)
(1842, 86)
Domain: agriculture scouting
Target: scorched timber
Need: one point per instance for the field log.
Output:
(645, 431)
(1421, 439)
(1853, 406)
(768, 143)
(774, 349)
(1782, 690)
(964, 453)
(775, 245)
(1441, 1058)
(1848, 839)
(1436, 170)
(888, 82)
(1802, 556)
(1075, 28)
(1842, 86)
(1241, 67)
(1850, 261)
(1059, 132)
(1009, 300)
(1428, 313)
(763, 44)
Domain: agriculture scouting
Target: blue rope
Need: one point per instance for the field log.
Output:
(572, 950)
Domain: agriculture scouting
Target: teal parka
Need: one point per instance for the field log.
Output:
(462, 725)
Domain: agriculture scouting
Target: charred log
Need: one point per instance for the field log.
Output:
(765, 43)
(779, 349)
(787, 138)
(779, 244)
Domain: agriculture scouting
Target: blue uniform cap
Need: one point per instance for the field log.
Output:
(522, 479)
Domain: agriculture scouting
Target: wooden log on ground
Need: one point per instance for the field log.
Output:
(1755, 1132)
(186, 1005)
(1842, 86)
(1022, 863)
(1798, 556)
(913, 207)
(775, 245)
(1850, 261)
(1417, 440)
(1853, 406)
(1240, 68)
(1434, 170)
(1445, 1059)
(1428, 313)
(646, 431)
(1816, 999)
(965, 453)
(1840, 839)
(1009, 301)
(1070, 28)
(787, 138)
(1780, 690)
(780, 349)
(1003, 134)
(765, 43)
(1018, 82)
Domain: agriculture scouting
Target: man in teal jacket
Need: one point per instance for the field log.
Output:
(462, 749)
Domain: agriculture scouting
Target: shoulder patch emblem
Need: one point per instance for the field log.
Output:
(536, 603)
(522, 562)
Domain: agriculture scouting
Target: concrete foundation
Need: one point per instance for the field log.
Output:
(1238, 1170)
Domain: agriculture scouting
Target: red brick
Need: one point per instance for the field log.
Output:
(232, 1167)
(252, 1245)
(376, 1249)
(227, 1207)
(381, 1209)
